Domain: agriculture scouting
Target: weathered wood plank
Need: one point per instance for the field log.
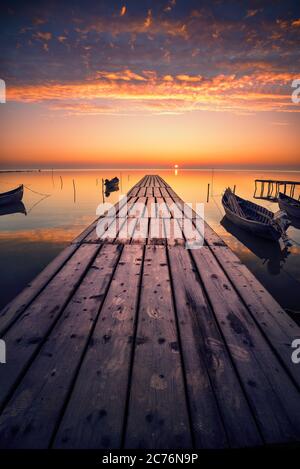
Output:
(156, 231)
(208, 367)
(270, 391)
(142, 192)
(46, 385)
(279, 329)
(158, 416)
(25, 338)
(96, 421)
(156, 192)
(149, 192)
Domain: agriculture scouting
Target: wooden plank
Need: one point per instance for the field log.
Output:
(142, 192)
(25, 338)
(279, 329)
(173, 232)
(151, 207)
(134, 192)
(110, 223)
(46, 385)
(140, 233)
(126, 231)
(17, 306)
(156, 192)
(138, 208)
(164, 192)
(208, 367)
(94, 416)
(157, 415)
(156, 231)
(269, 390)
(149, 192)
(161, 181)
(146, 181)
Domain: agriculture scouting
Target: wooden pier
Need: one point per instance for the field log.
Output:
(138, 342)
(273, 187)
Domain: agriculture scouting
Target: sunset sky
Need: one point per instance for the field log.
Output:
(149, 83)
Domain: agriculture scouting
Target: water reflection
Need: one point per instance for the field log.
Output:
(268, 251)
(28, 243)
(18, 207)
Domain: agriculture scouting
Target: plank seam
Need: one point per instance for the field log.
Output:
(45, 337)
(207, 299)
(85, 348)
(131, 366)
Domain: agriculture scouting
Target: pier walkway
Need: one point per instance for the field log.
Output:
(137, 342)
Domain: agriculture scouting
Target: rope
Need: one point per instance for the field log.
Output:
(38, 193)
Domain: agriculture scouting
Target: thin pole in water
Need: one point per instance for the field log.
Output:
(74, 189)
(61, 183)
(234, 187)
(103, 191)
(207, 199)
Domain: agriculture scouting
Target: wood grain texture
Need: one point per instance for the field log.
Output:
(96, 421)
(158, 415)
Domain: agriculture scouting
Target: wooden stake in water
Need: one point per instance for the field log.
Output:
(103, 199)
(61, 183)
(234, 189)
(74, 189)
(207, 199)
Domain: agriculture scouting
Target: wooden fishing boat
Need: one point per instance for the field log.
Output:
(111, 185)
(12, 197)
(254, 218)
(111, 182)
(290, 205)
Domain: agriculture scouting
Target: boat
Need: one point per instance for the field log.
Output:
(12, 197)
(289, 205)
(111, 185)
(111, 182)
(256, 219)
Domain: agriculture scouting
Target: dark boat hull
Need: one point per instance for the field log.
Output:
(12, 197)
(289, 205)
(256, 228)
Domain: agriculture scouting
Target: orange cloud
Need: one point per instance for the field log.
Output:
(128, 92)
(43, 36)
(123, 10)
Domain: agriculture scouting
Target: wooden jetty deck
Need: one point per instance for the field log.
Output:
(140, 343)
(273, 187)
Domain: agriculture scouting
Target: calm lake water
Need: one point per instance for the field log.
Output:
(56, 213)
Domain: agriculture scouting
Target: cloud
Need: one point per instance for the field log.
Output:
(251, 13)
(43, 36)
(125, 92)
(123, 10)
